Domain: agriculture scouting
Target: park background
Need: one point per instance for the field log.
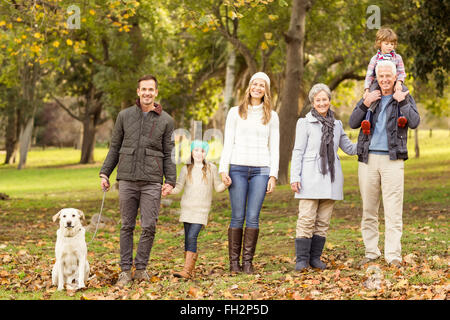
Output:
(69, 67)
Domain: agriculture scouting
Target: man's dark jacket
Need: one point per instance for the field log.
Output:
(397, 137)
(142, 146)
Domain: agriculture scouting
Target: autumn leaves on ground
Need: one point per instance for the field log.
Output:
(27, 239)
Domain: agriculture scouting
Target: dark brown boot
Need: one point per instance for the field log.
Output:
(234, 248)
(250, 239)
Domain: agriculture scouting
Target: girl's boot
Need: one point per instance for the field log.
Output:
(189, 265)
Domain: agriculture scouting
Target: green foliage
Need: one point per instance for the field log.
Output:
(186, 47)
(427, 32)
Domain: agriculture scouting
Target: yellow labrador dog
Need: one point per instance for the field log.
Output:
(70, 250)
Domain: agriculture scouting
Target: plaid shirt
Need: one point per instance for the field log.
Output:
(394, 57)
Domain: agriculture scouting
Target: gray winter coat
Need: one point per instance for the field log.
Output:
(142, 147)
(305, 163)
(397, 137)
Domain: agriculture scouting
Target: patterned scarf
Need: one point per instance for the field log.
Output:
(385, 56)
(327, 144)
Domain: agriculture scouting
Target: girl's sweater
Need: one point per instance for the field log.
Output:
(197, 195)
(249, 142)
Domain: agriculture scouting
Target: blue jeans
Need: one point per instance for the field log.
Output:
(247, 192)
(191, 231)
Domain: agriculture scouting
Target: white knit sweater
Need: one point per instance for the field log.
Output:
(197, 196)
(249, 142)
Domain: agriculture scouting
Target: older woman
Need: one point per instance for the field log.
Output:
(316, 175)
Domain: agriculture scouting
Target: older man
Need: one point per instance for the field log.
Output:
(141, 145)
(381, 155)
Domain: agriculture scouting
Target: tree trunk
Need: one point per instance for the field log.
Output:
(91, 121)
(25, 142)
(290, 94)
(88, 144)
(229, 81)
(12, 137)
(416, 142)
(29, 79)
(228, 99)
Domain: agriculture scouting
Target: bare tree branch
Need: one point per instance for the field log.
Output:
(65, 108)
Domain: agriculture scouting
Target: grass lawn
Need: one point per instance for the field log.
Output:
(53, 180)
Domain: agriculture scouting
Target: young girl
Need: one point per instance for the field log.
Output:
(198, 180)
(386, 42)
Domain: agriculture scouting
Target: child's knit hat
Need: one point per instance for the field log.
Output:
(200, 144)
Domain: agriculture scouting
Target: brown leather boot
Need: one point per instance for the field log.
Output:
(189, 265)
(250, 239)
(234, 248)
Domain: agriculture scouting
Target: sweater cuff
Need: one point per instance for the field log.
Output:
(273, 174)
(362, 106)
(225, 168)
(103, 175)
(173, 184)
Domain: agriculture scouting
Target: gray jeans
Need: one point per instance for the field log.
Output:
(147, 197)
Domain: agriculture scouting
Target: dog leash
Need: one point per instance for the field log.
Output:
(99, 216)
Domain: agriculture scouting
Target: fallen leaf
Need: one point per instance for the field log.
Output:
(402, 284)
(410, 258)
(193, 292)
(296, 296)
(136, 296)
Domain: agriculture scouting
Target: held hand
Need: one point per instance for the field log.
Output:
(166, 189)
(398, 86)
(271, 184)
(225, 179)
(400, 95)
(295, 187)
(372, 97)
(104, 184)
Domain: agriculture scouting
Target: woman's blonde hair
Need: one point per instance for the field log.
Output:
(267, 103)
(205, 169)
(385, 34)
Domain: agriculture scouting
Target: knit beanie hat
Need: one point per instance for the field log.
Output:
(260, 75)
(200, 144)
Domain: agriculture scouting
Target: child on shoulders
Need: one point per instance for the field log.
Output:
(386, 42)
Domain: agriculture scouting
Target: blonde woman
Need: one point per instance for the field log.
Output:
(249, 163)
